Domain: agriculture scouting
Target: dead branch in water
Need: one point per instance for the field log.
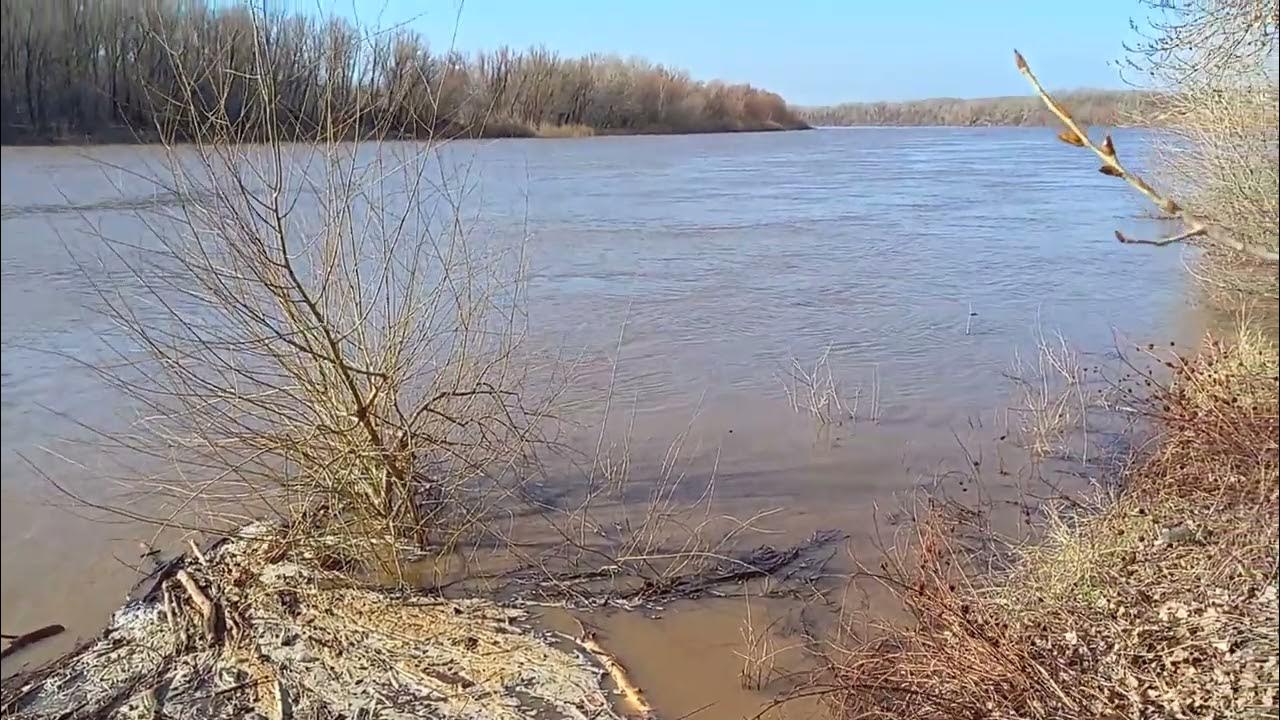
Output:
(1197, 225)
(18, 642)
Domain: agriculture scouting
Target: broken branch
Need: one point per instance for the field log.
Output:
(1193, 232)
(21, 641)
(202, 602)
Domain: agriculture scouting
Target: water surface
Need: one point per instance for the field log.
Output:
(921, 258)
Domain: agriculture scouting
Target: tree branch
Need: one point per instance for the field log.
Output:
(1111, 165)
(1193, 232)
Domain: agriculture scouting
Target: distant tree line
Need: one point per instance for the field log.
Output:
(1092, 107)
(76, 69)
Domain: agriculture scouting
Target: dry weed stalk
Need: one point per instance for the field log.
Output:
(1053, 404)
(627, 544)
(759, 653)
(817, 393)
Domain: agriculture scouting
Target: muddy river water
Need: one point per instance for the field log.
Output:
(921, 260)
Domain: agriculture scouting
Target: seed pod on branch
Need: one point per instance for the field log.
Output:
(1108, 147)
(1071, 138)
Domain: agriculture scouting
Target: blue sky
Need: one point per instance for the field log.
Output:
(810, 51)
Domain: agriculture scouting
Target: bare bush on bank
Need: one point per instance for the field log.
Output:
(310, 331)
(1219, 59)
(313, 334)
(1218, 147)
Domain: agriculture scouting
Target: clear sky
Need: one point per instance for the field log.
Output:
(809, 51)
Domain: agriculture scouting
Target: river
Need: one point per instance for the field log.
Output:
(922, 258)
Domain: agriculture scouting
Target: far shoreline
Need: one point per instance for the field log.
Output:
(124, 136)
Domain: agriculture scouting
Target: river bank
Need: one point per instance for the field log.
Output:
(1155, 593)
(250, 624)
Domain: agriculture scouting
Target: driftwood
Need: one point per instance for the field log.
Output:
(18, 642)
(763, 561)
(791, 569)
(1196, 226)
(631, 693)
(310, 643)
(208, 611)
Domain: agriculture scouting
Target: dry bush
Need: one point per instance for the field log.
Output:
(313, 334)
(1217, 149)
(310, 331)
(546, 130)
(1161, 602)
(1200, 223)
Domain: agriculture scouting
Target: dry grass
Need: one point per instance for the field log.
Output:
(1161, 602)
(572, 130)
(760, 652)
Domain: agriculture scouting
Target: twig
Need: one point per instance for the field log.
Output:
(1111, 166)
(195, 550)
(1193, 232)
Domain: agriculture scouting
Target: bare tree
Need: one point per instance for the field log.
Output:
(1090, 107)
(70, 69)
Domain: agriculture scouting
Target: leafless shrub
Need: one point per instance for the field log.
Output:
(1200, 222)
(313, 335)
(310, 332)
(1218, 147)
